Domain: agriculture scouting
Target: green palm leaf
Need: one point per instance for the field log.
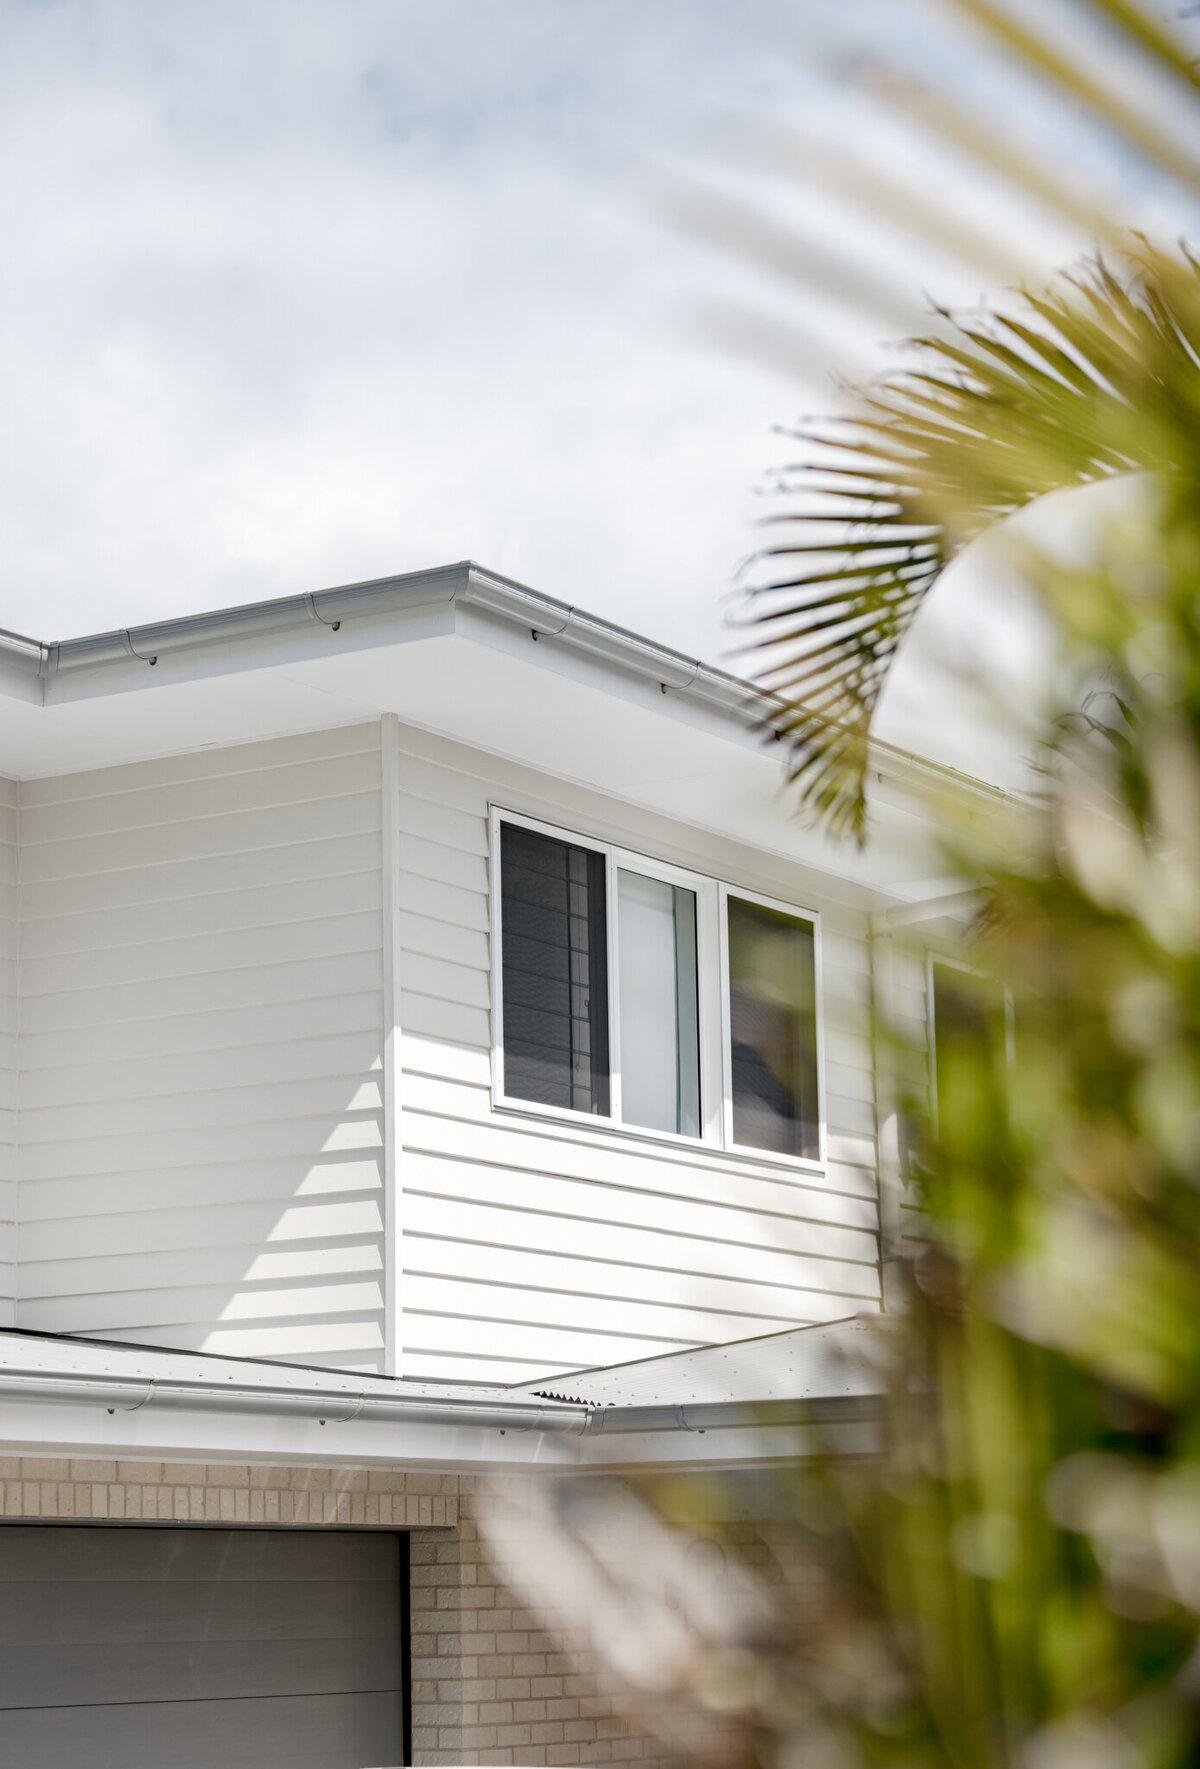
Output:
(1096, 377)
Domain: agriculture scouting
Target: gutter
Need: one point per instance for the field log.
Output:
(130, 1394)
(468, 584)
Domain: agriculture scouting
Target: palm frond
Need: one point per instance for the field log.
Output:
(1084, 381)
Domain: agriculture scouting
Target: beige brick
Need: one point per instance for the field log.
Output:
(144, 1473)
(41, 1468)
(91, 1470)
(529, 1710)
(474, 1738)
(226, 1474)
(178, 1473)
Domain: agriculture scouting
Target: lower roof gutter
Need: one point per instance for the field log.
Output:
(129, 1394)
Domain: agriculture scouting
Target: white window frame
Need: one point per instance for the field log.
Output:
(712, 977)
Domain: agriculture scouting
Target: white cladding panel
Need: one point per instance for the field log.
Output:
(201, 1054)
(8, 1052)
(530, 1246)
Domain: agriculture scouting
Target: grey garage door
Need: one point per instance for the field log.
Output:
(192, 1649)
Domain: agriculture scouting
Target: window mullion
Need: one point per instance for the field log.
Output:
(711, 985)
(725, 1097)
(614, 999)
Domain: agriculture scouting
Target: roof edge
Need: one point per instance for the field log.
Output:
(472, 586)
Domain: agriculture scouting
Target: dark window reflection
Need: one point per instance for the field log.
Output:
(773, 1028)
(554, 961)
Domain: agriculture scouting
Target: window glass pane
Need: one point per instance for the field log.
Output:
(554, 962)
(660, 1038)
(773, 1029)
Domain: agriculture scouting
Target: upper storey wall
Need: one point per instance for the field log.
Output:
(530, 1246)
(201, 1046)
(206, 941)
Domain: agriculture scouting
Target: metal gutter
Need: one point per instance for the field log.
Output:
(465, 584)
(129, 1394)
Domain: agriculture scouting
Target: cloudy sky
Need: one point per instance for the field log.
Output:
(304, 291)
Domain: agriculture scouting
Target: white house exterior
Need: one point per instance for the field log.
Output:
(265, 1099)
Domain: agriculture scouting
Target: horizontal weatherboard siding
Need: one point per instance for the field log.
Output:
(531, 1245)
(202, 1023)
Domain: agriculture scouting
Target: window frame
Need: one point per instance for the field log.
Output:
(712, 981)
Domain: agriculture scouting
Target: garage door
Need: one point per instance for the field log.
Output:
(192, 1649)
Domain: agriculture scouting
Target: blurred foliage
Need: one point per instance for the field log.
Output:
(1092, 378)
(1015, 1578)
